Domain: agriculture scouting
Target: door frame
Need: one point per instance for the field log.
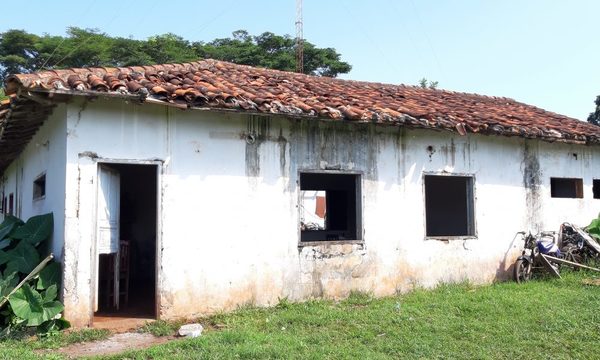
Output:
(158, 251)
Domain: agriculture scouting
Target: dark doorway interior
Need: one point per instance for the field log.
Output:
(138, 223)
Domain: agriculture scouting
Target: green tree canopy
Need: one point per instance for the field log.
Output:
(594, 117)
(22, 52)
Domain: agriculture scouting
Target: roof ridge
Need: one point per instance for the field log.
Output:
(200, 62)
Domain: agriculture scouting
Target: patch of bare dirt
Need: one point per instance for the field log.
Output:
(115, 344)
(119, 324)
(595, 282)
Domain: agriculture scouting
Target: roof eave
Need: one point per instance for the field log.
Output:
(48, 98)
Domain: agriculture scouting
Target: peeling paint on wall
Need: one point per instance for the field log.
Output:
(328, 270)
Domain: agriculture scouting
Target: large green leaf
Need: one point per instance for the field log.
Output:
(49, 276)
(26, 303)
(9, 223)
(594, 227)
(52, 326)
(29, 304)
(23, 258)
(4, 243)
(6, 228)
(7, 284)
(51, 293)
(4, 257)
(36, 229)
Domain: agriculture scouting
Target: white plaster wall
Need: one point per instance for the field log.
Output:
(229, 211)
(45, 153)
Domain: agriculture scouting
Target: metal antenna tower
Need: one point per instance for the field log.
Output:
(299, 39)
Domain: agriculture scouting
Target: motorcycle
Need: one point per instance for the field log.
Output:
(532, 257)
(578, 246)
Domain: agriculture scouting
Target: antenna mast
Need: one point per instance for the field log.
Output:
(299, 39)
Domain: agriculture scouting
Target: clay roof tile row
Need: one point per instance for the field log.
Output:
(223, 85)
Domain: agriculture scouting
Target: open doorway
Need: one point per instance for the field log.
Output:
(126, 241)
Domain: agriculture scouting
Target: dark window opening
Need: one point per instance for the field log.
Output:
(39, 187)
(596, 188)
(11, 204)
(330, 207)
(449, 206)
(566, 188)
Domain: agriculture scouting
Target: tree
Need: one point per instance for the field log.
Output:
(594, 118)
(21, 52)
(167, 48)
(17, 52)
(424, 83)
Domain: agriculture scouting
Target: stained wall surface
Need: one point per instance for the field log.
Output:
(228, 204)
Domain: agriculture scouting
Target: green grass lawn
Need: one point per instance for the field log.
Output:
(542, 319)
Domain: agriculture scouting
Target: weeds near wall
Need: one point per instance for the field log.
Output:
(29, 280)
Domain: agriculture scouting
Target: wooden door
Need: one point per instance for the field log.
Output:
(107, 235)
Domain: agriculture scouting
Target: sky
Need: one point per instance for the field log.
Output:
(540, 52)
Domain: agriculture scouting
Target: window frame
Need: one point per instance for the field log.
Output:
(472, 210)
(358, 175)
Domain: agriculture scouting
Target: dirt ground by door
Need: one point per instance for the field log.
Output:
(115, 344)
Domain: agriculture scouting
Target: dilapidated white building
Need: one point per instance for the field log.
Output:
(196, 177)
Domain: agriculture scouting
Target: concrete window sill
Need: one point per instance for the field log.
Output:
(330, 242)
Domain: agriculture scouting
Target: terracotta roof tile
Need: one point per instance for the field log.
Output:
(218, 84)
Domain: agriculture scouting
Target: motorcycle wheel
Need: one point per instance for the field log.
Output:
(522, 271)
